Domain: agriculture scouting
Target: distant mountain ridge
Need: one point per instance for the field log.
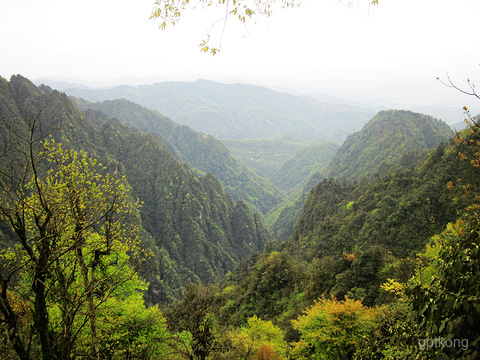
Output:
(239, 111)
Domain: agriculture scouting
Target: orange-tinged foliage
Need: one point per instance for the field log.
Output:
(266, 352)
(19, 306)
(349, 257)
(469, 149)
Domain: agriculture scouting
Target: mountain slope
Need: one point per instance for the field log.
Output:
(388, 141)
(399, 211)
(201, 151)
(194, 229)
(238, 111)
(393, 140)
(296, 171)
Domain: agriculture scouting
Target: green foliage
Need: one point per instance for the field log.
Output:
(253, 340)
(269, 283)
(398, 211)
(128, 330)
(332, 329)
(169, 12)
(279, 286)
(193, 315)
(446, 305)
(389, 321)
(435, 313)
(350, 205)
(76, 250)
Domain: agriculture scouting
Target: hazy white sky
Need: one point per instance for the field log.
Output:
(395, 49)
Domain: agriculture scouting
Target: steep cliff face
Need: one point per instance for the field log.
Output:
(195, 230)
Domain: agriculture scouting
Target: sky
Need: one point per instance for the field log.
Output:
(393, 51)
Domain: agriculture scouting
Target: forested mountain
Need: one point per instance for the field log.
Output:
(349, 283)
(195, 230)
(201, 151)
(238, 111)
(398, 211)
(389, 141)
(296, 171)
(392, 140)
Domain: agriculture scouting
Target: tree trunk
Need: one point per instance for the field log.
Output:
(41, 320)
(90, 303)
(11, 321)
